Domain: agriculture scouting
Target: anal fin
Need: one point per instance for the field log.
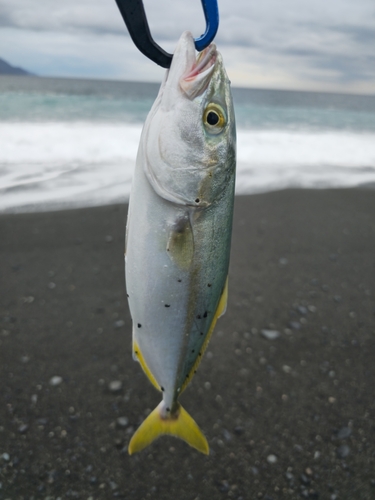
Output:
(138, 356)
(222, 307)
(220, 310)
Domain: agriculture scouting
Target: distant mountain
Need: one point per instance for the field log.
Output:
(8, 69)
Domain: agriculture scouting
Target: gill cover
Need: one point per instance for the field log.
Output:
(185, 157)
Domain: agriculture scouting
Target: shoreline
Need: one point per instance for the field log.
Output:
(34, 208)
(285, 417)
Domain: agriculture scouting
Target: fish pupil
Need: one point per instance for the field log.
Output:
(212, 118)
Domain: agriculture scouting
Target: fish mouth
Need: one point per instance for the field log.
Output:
(203, 64)
(189, 72)
(195, 81)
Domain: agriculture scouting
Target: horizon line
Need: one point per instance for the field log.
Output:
(114, 80)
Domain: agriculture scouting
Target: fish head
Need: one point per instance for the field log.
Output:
(189, 137)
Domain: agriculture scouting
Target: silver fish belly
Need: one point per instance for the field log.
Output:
(179, 231)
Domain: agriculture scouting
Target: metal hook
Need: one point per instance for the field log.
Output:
(134, 15)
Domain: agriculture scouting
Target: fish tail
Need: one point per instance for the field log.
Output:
(180, 425)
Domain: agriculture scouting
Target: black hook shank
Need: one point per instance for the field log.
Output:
(134, 15)
(135, 19)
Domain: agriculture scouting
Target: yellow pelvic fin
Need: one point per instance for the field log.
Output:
(220, 310)
(180, 425)
(139, 356)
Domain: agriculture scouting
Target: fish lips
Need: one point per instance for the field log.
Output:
(188, 72)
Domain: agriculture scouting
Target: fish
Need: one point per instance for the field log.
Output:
(178, 233)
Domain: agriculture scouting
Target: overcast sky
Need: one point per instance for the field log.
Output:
(291, 44)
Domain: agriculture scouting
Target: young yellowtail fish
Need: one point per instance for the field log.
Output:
(179, 231)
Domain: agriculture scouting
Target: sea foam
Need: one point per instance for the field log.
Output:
(54, 165)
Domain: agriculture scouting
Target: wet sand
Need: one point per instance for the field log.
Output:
(285, 417)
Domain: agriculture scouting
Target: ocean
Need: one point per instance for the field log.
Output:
(70, 143)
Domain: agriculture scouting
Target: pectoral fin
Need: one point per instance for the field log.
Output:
(180, 245)
(180, 425)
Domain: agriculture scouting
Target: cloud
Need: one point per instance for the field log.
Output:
(86, 56)
(66, 17)
(321, 44)
(360, 34)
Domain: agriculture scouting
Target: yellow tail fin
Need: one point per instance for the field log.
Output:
(180, 424)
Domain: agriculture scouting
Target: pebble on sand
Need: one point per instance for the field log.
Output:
(302, 310)
(344, 433)
(343, 451)
(270, 334)
(272, 459)
(122, 421)
(115, 386)
(23, 428)
(56, 380)
(295, 325)
(286, 369)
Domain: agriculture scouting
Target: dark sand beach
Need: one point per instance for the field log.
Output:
(286, 417)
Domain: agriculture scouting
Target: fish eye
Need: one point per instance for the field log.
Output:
(214, 118)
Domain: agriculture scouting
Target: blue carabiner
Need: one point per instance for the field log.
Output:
(134, 15)
(211, 14)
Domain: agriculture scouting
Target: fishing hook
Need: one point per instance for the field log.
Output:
(134, 15)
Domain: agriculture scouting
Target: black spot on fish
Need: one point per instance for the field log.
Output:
(209, 284)
(200, 354)
(136, 352)
(199, 316)
(193, 350)
(201, 333)
(205, 314)
(168, 409)
(179, 281)
(187, 376)
(127, 295)
(139, 325)
(195, 371)
(197, 200)
(162, 388)
(167, 305)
